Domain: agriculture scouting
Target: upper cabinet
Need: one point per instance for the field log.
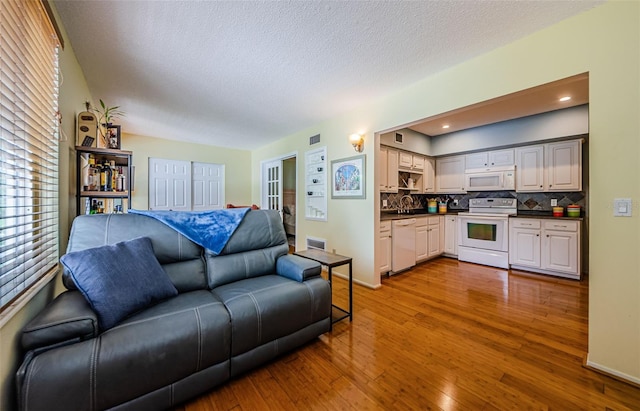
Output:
(530, 168)
(549, 167)
(429, 176)
(410, 162)
(450, 174)
(492, 158)
(388, 170)
(563, 164)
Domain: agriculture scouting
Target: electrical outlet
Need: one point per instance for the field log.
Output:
(385, 203)
(554, 202)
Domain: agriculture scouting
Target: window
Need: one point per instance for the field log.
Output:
(28, 147)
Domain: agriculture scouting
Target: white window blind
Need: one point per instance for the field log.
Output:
(28, 146)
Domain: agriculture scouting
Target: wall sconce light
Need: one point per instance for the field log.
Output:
(357, 141)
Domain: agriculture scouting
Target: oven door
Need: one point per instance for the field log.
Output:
(484, 232)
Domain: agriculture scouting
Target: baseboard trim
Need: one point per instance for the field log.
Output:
(620, 376)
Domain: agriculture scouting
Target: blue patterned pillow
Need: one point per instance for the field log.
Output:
(120, 279)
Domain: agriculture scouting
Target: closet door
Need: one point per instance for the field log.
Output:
(207, 186)
(169, 185)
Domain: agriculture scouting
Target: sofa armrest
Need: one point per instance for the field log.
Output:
(68, 318)
(297, 268)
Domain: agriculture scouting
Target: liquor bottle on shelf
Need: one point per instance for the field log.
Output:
(105, 177)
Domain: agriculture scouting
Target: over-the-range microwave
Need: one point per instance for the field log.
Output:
(490, 179)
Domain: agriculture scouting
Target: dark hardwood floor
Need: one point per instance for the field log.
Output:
(443, 336)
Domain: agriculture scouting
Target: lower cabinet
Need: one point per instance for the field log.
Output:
(429, 237)
(384, 243)
(451, 235)
(545, 245)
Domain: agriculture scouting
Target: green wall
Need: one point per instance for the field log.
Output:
(237, 165)
(604, 42)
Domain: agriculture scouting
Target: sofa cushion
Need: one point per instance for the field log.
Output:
(266, 308)
(181, 259)
(118, 280)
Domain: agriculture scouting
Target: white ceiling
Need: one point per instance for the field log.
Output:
(242, 74)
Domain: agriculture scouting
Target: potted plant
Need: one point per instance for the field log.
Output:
(106, 115)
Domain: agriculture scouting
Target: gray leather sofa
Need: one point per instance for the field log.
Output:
(233, 312)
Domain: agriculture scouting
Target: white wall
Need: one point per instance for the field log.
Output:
(604, 42)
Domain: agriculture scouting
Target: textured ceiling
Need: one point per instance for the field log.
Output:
(245, 73)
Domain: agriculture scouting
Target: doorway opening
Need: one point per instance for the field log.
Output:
(279, 192)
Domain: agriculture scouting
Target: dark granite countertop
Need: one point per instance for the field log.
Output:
(544, 214)
(388, 215)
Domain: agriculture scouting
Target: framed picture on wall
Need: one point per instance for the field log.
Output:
(348, 177)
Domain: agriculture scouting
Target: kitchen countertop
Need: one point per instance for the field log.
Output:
(388, 215)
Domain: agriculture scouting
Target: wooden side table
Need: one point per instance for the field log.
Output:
(333, 260)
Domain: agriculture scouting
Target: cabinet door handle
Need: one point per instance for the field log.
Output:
(547, 235)
(538, 235)
(540, 185)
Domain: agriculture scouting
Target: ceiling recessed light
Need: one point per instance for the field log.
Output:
(565, 98)
(445, 126)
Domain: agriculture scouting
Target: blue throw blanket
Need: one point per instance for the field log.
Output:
(209, 229)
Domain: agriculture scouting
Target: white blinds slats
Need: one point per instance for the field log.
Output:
(28, 146)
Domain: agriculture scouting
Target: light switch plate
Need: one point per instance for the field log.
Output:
(622, 207)
(554, 202)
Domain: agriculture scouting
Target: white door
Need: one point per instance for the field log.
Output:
(169, 185)
(207, 186)
(422, 242)
(272, 185)
(434, 240)
(563, 166)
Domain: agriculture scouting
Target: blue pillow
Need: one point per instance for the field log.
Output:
(120, 279)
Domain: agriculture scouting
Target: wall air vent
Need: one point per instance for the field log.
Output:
(317, 243)
(314, 139)
(399, 138)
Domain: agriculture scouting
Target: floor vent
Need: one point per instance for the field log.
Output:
(317, 243)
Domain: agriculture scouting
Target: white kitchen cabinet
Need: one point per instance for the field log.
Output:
(560, 247)
(410, 161)
(422, 239)
(493, 158)
(429, 176)
(384, 243)
(451, 235)
(388, 170)
(450, 174)
(429, 237)
(436, 236)
(545, 245)
(549, 167)
(563, 165)
(530, 168)
(524, 238)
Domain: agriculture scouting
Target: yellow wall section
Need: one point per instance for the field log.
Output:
(237, 165)
(605, 42)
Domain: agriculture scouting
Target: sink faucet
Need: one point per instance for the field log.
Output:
(404, 208)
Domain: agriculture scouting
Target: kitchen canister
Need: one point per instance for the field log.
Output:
(432, 206)
(573, 210)
(442, 207)
(558, 211)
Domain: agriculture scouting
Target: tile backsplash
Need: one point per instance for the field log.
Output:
(526, 201)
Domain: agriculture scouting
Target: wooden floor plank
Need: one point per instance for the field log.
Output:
(445, 335)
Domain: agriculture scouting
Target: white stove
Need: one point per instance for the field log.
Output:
(483, 232)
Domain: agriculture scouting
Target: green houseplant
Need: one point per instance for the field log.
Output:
(106, 115)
